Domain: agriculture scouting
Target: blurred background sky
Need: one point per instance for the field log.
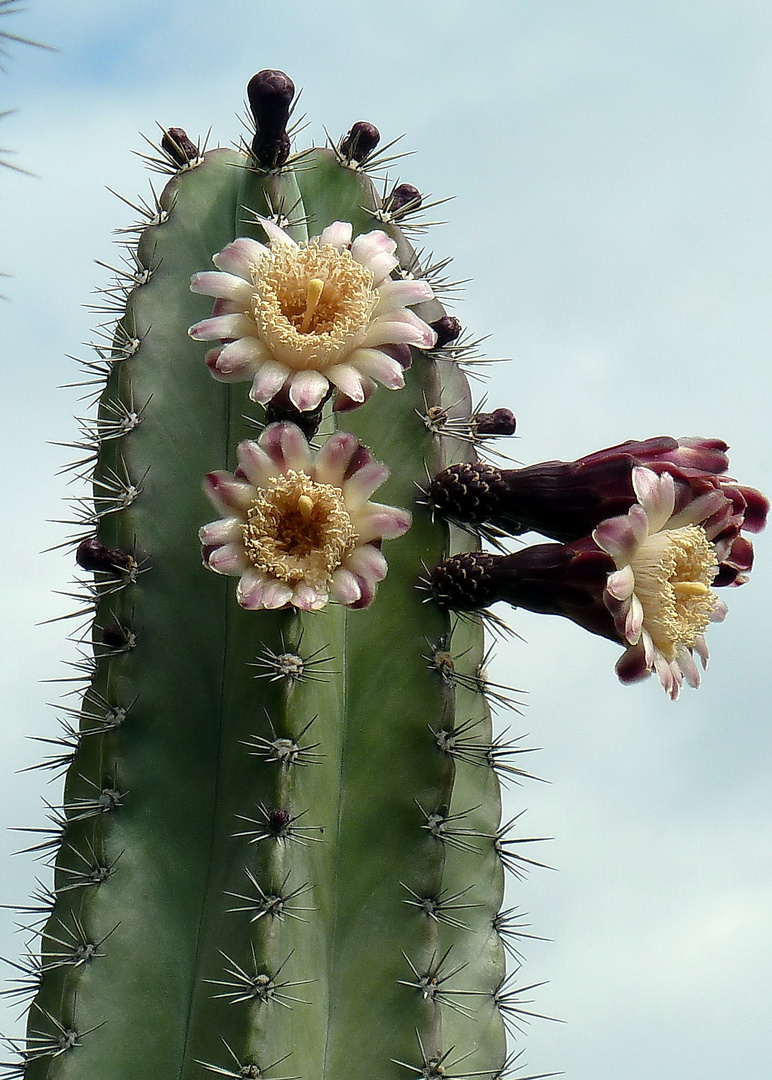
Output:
(612, 170)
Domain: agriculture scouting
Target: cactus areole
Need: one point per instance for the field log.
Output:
(280, 850)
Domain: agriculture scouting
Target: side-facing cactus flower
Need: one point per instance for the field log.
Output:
(644, 579)
(299, 529)
(308, 317)
(566, 500)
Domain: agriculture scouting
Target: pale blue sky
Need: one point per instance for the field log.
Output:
(611, 166)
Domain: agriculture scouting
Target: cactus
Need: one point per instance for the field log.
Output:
(280, 850)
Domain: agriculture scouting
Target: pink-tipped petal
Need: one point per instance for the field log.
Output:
(378, 365)
(228, 559)
(375, 521)
(257, 465)
(688, 667)
(268, 381)
(388, 329)
(618, 537)
(276, 595)
(348, 380)
(338, 234)
(719, 612)
(225, 286)
(345, 587)
(240, 256)
(241, 358)
(287, 447)
(307, 598)
(634, 620)
(249, 591)
(222, 327)
(274, 232)
(621, 583)
(402, 292)
(701, 648)
(359, 487)
(334, 458)
(343, 403)
(372, 245)
(368, 563)
(656, 494)
(227, 494)
(224, 531)
(307, 389)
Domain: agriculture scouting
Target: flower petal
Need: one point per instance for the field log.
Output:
(226, 286)
(275, 233)
(249, 591)
(359, 487)
(345, 587)
(268, 381)
(621, 583)
(228, 559)
(227, 493)
(375, 521)
(307, 389)
(347, 379)
(221, 327)
(378, 365)
(338, 234)
(402, 292)
(240, 256)
(287, 447)
(333, 460)
(225, 531)
(258, 466)
(656, 494)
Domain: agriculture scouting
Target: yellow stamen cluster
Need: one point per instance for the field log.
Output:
(312, 305)
(674, 570)
(299, 530)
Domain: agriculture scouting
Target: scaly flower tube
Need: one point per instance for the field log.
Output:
(644, 579)
(304, 318)
(567, 500)
(299, 529)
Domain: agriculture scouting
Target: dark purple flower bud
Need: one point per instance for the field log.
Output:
(94, 555)
(179, 147)
(270, 95)
(551, 579)
(498, 422)
(447, 329)
(567, 500)
(403, 195)
(360, 141)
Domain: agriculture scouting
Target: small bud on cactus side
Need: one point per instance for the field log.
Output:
(92, 554)
(498, 422)
(447, 329)
(270, 95)
(402, 196)
(360, 141)
(179, 147)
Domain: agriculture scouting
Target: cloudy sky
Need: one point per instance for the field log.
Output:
(612, 170)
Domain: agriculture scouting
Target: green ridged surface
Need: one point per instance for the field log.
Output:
(186, 763)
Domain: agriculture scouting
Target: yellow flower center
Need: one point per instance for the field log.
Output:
(674, 570)
(298, 530)
(311, 305)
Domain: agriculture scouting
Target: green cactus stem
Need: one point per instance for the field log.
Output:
(280, 850)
